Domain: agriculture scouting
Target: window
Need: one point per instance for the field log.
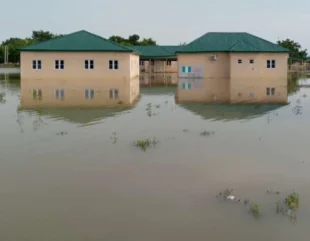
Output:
(59, 64)
(186, 86)
(270, 91)
(271, 64)
(113, 64)
(169, 62)
(37, 94)
(36, 64)
(186, 69)
(251, 61)
(89, 94)
(152, 62)
(239, 61)
(113, 94)
(141, 63)
(89, 64)
(60, 94)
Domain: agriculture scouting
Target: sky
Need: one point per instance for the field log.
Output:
(169, 22)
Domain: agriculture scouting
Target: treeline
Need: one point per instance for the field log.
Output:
(15, 44)
(296, 51)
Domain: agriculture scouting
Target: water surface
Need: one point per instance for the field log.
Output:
(63, 177)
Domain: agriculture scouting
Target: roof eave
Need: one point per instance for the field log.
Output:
(62, 50)
(216, 51)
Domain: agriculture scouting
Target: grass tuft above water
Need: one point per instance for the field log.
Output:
(144, 144)
(292, 201)
(255, 210)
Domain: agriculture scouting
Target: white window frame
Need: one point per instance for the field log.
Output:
(35, 64)
(116, 63)
(87, 64)
(58, 63)
(89, 94)
(272, 63)
(270, 91)
(114, 96)
(60, 96)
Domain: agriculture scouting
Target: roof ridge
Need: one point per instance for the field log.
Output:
(52, 39)
(267, 41)
(239, 42)
(107, 40)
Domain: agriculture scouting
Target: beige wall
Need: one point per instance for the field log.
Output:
(211, 69)
(134, 65)
(259, 68)
(74, 65)
(248, 82)
(74, 92)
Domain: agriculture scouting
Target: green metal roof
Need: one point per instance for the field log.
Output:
(157, 52)
(78, 41)
(231, 42)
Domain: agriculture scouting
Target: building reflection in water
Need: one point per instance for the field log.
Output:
(153, 79)
(232, 91)
(78, 93)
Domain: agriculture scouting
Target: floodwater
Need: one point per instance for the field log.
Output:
(69, 173)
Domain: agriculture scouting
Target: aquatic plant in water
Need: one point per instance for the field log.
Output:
(114, 137)
(292, 201)
(2, 95)
(255, 210)
(144, 144)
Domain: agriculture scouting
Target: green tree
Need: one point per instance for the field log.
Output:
(295, 48)
(148, 42)
(40, 36)
(15, 44)
(117, 39)
(132, 40)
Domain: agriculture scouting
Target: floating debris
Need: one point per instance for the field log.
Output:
(62, 133)
(270, 191)
(185, 130)
(231, 197)
(207, 133)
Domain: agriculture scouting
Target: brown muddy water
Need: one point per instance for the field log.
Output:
(75, 174)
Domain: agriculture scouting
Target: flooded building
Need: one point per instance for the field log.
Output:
(158, 63)
(232, 67)
(80, 55)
